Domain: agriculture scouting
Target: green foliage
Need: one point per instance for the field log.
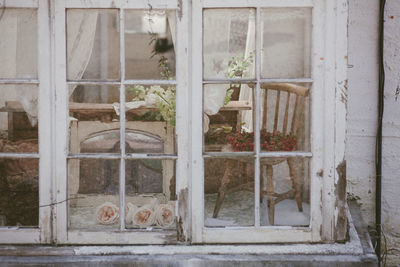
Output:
(162, 98)
(238, 67)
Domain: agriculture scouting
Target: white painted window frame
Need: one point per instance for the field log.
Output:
(121, 236)
(41, 234)
(329, 63)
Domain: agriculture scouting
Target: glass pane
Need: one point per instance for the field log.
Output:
(19, 192)
(229, 43)
(150, 40)
(228, 111)
(229, 192)
(285, 117)
(94, 119)
(150, 194)
(18, 118)
(150, 114)
(93, 193)
(285, 187)
(93, 44)
(286, 43)
(18, 43)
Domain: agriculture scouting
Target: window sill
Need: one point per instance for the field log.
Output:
(357, 249)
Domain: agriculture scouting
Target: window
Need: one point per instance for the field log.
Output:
(157, 122)
(24, 124)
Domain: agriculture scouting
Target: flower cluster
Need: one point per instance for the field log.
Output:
(275, 141)
(241, 141)
(162, 215)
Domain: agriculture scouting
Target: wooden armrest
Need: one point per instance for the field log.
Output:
(236, 105)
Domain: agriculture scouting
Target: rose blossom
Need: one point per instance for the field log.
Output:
(144, 216)
(165, 215)
(107, 213)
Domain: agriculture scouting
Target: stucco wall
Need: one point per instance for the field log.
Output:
(362, 116)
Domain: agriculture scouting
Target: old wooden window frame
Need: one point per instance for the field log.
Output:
(329, 63)
(123, 235)
(41, 234)
(328, 76)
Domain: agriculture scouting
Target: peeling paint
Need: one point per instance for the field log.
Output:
(180, 9)
(343, 91)
(340, 205)
(183, 228)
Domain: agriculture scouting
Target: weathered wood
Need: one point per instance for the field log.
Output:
(278, 101)
(285, 118)
(296, 103)
(264, 116)
(288, 87)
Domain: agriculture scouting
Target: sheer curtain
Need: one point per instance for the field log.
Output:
(18, 59)
(18, 53)
(227, 34)
(81, 33)
(245, 91)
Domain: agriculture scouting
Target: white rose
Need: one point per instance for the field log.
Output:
(107, 213)
(144, 216)
(165, 215)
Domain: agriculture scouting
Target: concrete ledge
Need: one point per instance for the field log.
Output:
(191, 260)
(356, 252)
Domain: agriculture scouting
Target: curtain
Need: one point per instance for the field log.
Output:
(18, 53)
(18, 59)
(245, 91)
(81, 33)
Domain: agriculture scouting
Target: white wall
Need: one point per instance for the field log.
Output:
(391, 131)
(362, 116)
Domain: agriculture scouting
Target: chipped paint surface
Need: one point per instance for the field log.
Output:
(362, 119)
(340, 193)
(183, 225)
(352, 247)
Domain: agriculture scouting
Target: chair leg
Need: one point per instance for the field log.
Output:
(270, 194)
(297, 183)
(222, 188)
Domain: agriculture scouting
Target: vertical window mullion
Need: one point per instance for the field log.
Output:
(45, 115)
(122, 120)
(257, 121)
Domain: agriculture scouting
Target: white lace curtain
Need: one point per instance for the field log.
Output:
(19, 45)
(18, 53)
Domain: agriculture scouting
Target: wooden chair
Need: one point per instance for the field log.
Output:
(294, 111)
(297, 120)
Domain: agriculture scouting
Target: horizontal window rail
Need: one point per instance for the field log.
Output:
(20, 155)
(126, 82)
(119, 156)
(257, 3)
(18, 81)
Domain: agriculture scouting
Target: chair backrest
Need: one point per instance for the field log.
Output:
(293, 110)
